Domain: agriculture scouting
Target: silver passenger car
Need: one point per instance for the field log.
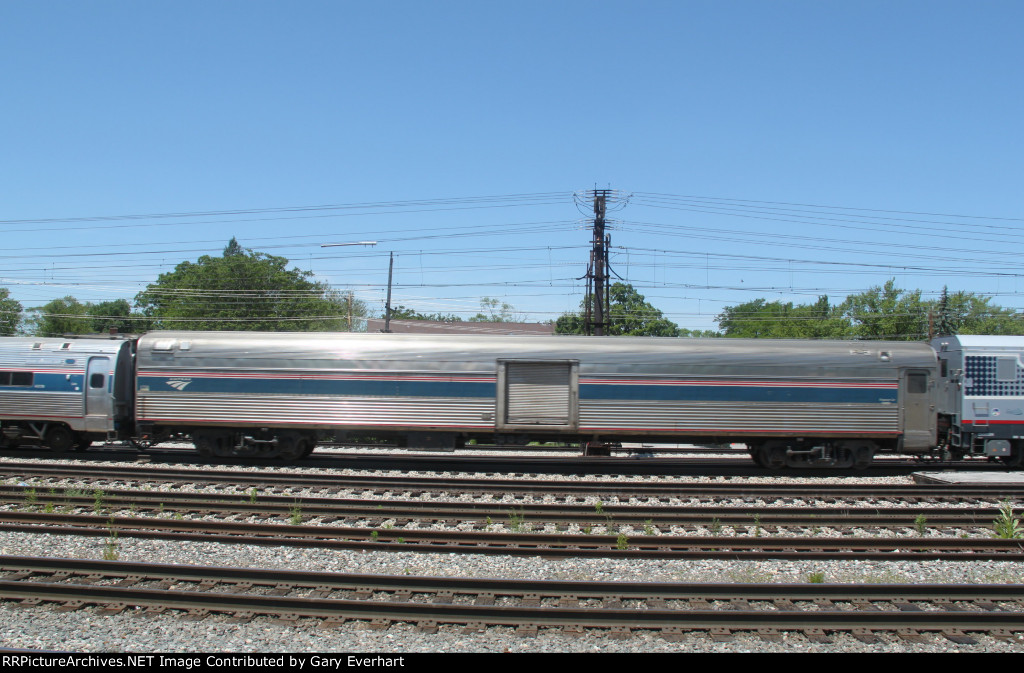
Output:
(64, 392)
(792, 402)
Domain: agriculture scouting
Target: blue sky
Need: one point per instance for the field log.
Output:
(455, 133)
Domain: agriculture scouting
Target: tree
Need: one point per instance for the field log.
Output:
(630, 315)
(66, 315)
(881, 312)
(497, 311)
(404, 313)
(10, 313)
(763, 319)
(967, 313)
(888, 312)
(245, 290)
(116, 314)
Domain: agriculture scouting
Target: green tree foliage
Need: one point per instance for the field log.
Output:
(777, 320)
(116, 314)
(245, 290)
(698, 333)
(10, 313)
(631, 315)
(967, 313)
(881, 312)
(888, 312)
(66, 315)
(495, 310)
(404, 313)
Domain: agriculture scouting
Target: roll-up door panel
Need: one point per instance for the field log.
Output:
(539, 394)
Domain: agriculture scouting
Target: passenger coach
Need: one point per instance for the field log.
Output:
(65, 393)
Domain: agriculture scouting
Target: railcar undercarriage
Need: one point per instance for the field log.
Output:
(805, 453)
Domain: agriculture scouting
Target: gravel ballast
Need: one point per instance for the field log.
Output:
(85, 630)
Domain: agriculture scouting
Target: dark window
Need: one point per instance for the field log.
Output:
(97, 381)
(15, 378)
(945, 368)
(917, 384)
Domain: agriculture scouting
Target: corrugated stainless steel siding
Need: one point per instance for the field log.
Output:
(33, 404)
(607, 415)
(284, 411)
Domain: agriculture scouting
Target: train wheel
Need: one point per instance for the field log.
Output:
(59, 438)
(1016, 457)
(82, 444)
(212, 444)
(773, 455)
(862, 456)
(294, 445)
(856, 454)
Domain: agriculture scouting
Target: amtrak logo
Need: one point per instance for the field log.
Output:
(179, 384)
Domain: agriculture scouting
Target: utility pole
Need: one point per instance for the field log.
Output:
(387, 303)
(598, 301)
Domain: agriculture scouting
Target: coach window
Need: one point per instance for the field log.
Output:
(97, 381)
(917, 383)
(15, 378)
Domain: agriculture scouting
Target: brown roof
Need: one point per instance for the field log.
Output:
(438, 327)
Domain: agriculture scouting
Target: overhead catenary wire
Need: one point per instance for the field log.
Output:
(839, 255)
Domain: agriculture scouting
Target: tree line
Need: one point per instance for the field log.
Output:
(247, 290)
(881, 312)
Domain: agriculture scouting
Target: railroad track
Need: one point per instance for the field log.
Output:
(560, 515)
(958, 613)
(493, 483)
(639, 464)
(518, 542)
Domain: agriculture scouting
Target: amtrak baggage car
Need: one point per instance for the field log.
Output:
(981, 396)
(792, 402)
(65, 393)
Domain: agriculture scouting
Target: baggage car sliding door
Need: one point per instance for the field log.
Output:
(538, 395)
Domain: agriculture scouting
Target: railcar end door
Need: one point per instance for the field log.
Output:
(99, 400)
(918, 408)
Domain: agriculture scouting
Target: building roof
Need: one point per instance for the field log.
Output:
(438, 327)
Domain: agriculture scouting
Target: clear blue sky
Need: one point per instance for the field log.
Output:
(715, 116)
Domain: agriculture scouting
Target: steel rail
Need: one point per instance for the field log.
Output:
(693, 612)
(520, 543)
(537, 513)
(639, 465)
(487, 484)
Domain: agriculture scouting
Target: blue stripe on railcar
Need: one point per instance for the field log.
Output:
(50, 383)
(335, 387)
(741, 393)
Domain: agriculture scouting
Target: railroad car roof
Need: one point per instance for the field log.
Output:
(982, 341)
(345, 345)
(28, 345)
